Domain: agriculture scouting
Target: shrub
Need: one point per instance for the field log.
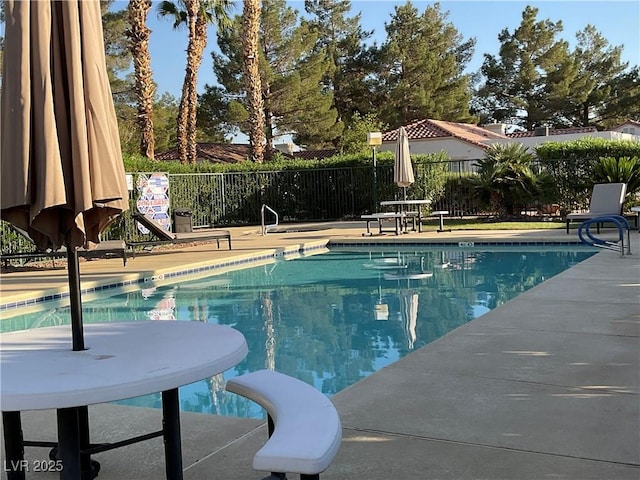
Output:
(619, 170)
(506, 181)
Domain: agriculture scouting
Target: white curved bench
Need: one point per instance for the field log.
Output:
(304, 427)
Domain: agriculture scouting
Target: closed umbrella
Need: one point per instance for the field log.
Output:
(62, 175)
(402, 168)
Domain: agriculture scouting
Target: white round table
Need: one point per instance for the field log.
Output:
(121, 360)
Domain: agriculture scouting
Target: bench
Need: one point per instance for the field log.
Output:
(304, 427)
(397, 217)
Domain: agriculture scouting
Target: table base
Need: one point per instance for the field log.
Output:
(74, 448)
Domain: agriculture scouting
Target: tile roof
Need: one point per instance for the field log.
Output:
(427, 128)
(214, 152)
(553, 131)
(627, 122)
(314, 154)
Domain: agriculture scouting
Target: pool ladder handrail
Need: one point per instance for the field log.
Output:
(265, 227)
(621, 224)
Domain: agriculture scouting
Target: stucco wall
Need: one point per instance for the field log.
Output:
(456, 149)
(533, 141)
(460, 150)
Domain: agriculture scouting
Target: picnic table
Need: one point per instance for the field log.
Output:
(408, 208)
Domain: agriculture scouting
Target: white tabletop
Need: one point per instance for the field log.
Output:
(405, 202)
(636, 209)
(122, 360)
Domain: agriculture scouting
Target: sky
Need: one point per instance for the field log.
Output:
(617, 21)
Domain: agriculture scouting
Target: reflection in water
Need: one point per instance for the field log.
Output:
(409, 311)
(329, 319)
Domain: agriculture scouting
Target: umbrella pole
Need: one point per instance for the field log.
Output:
(77, 333)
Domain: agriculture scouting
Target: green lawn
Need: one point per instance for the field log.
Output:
(490, 224)
(483, 224)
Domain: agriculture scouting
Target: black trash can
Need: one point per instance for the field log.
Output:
(182, 220)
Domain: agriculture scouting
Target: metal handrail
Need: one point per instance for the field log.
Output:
(265, 227)
(621, 224)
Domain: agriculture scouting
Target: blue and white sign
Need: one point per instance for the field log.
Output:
(153, 199)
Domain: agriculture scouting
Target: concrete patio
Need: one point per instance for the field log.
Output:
(545, 386)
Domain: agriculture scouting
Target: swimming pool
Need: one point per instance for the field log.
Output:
(329, 319)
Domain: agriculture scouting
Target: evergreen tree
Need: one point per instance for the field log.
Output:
(533, 70)
(118, 60)
(623, 102)
(599, 68)
(295, 99)
(354, 137)
(421, 68)
(117, 55)
(342, 39)
(165, 112)
(215, 115)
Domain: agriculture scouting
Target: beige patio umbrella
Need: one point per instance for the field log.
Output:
(402, 168)
(61, 170)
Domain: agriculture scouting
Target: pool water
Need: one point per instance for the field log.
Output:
(329, 319)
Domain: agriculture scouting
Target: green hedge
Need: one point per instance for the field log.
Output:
(572, 165)
(587, 148)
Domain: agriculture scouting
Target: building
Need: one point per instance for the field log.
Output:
(464, 141)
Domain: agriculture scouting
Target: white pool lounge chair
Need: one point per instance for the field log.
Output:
(606, 199)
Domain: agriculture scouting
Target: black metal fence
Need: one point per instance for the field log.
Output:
(309, 195)
(227, 199)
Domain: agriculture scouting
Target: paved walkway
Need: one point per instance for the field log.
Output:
(545, 386)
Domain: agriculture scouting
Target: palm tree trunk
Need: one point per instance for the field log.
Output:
(253, 84)
(144, 88)
(198, 47)
(197, 14)
(188, 87)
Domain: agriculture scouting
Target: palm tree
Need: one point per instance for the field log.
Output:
(253, 85)
(197, 15)
(145, 89)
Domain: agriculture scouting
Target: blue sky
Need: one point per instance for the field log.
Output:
(617, 21)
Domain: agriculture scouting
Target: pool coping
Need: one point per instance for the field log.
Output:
(161, 275)
(568, 426)
(33, 298)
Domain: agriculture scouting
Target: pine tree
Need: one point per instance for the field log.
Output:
(343, 40)
(532, 70)
(599, 67)
(295, 99)
(422, 64)
(623, 103)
